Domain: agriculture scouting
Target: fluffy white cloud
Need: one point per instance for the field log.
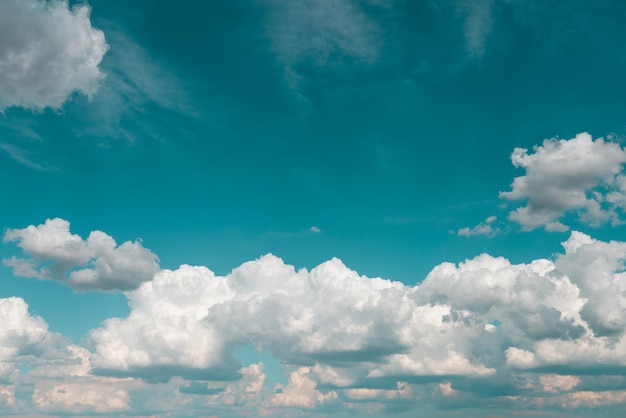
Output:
(47, 52)
(57, 372)
(300, 392)
(20, 333)
(95, 263)
(522, 334)
(578, 174)
(472, 319)
(592, 265)
(80, 397)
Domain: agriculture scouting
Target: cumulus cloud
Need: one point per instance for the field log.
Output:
(80, 397)
(96, 263)
(20, 333)
(484, 331)
(484, 319)
(300, 392)
(483, 228)
(57, 372)
(579, 175)
(47, 52)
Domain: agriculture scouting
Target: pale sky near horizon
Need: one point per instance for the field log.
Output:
(315, 207)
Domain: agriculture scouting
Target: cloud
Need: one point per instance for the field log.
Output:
(321, 33)
(579, 175)
(300, 392)
(484, 319)
(481, 332)
(96, 263)
(315, 229)
(20, 333)
(483, 228)
(137, 84)
(80, 397)
(477, 25)
(584, 261)
(57, 372)
(47, 52)
(23, 157)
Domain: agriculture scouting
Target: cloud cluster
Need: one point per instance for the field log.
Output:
(579, 175)
(550, 333)
(96, 263)
(47, 52)
(485, 320)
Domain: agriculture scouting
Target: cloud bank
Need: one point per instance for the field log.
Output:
(349, 337)
(484, 332)
(47, 52)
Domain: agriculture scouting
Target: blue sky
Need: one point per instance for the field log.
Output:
(390, 207)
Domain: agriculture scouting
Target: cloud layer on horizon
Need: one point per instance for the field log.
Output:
(548, 333)
(578, 175)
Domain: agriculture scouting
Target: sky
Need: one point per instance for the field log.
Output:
(313, 208)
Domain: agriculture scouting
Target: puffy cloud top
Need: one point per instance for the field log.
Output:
(19, 331)
(535, 331)
(47, 52)
(484, 317)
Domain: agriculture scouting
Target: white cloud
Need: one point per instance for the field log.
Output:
(47, 52)
(592, 265)
(315, 229)
(568, 175)
(483, 228)
(345, 340)
(96, 263)
(475, 319)
(19, 332)
(80, 397)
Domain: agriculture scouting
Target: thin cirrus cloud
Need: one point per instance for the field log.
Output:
(321, 34)
(578, 175)
(96, 263)
(47, 54)
(548, 330)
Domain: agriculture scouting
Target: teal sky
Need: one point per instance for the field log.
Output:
(383, 134)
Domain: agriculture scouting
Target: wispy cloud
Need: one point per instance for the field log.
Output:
(477, 16)
(321, 33)
(22, 156)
